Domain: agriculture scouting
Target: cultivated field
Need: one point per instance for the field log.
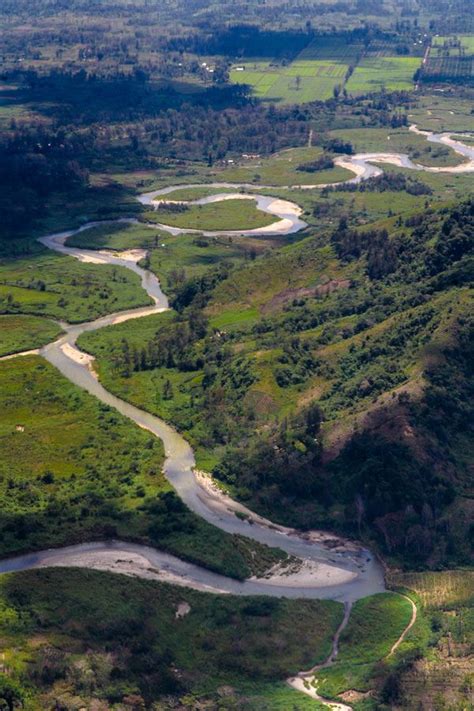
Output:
(311, 76)
(375, 72)
(325, 64)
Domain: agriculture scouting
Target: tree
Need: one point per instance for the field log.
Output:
(167, 390)
(11, 693)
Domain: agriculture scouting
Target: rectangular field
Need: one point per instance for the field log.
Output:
(312, 76)
(326, 63)
(394, 73)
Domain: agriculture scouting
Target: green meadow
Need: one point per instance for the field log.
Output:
(61, 287)
(116, 236)
(22, 333)
(58, 627)
(374, 73)
(232, 214)
(368, 140)
(311, 76)
(75, 470)
(281, 169)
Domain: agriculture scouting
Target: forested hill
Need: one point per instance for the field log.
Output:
(346, 405)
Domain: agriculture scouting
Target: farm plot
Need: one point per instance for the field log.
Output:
(453, 44)
(451, 59)
(375, 72)
(311, 76)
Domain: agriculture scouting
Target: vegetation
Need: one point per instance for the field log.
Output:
(364, 662)
(22, 333)
(209, 653)
(286, 168)
(62, 287)
(226, 215)
(115, 236)
(104, 480)
(324, 378)
(365, 370)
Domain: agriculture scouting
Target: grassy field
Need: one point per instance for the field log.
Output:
(186, 256)
(21, 333)
(280, 169)
(376, 72)
(441, 113)
(58, 628)
(73, 470)
(62, 287)
(226, 215)
(400, 141)
(311, 76)
(195, 193)
(375, 624)
(442, 41)
(444, 590)
(322, 66)
(117, 237)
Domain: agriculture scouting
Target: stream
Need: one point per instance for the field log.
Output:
(337, 569)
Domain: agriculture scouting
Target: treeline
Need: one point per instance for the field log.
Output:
(393, 182)
(243, 41)
(376, 245)
(172, 347)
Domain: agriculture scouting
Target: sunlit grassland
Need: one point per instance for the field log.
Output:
(373, 73)
(375, 624)
(400, 141)
(467, 42)
(281, 169)
(73, 469)
(446, 589)
(226, 215)
(21, 333)
(62, 287)
(311, 76)
(195, 193)
(435, 112)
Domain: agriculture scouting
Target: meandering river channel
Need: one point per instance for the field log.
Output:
(331, 568)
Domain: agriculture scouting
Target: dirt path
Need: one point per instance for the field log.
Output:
(335, 646)
(407, 628)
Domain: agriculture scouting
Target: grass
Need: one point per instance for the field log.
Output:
(400, 141)
(311, 76)
(72, 469)
(375, 624)
(115, 236)
(280, 169)
(59, 627)
(21, 333)
(227, 215)
(62, 287)
(195, 193)
(374, 73)
(186, 256)
(467, 42)
(448, 589)
(435, 112)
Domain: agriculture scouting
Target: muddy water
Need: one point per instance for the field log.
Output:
(359, 570)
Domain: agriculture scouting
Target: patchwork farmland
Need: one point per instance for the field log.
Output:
(451, 59)
(327, 65)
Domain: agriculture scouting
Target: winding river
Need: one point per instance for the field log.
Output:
(331, 569)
